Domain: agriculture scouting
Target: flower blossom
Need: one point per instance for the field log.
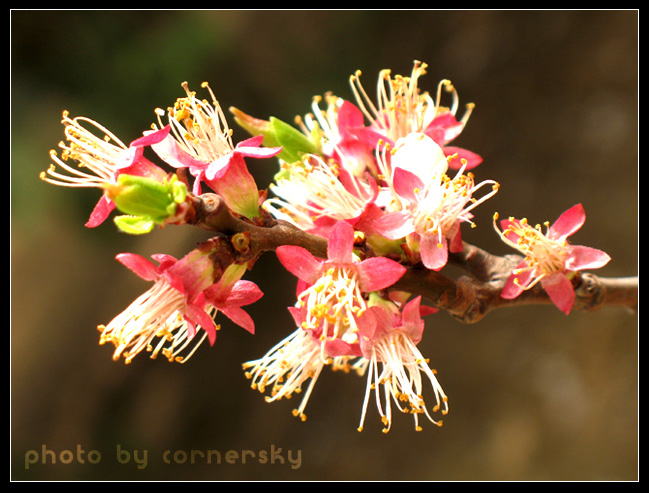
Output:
(388, 338)
(427, 202)
(315, 194)
(200, 140)
(331, 298)
(181, 304)
(402, 109)
(334, 133)
(335, 287)
(101, 159)
(549, 258)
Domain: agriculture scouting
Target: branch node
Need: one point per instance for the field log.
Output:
(590, 293)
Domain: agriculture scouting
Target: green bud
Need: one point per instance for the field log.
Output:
(255, 126)
(134, 225)
(146, 201)
(294, 143)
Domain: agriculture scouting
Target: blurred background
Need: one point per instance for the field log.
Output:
(534, 394)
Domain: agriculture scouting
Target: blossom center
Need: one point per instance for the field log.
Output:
(333, 302)
(542, 255)
(311, 189)
(443, 203)
(199, 127)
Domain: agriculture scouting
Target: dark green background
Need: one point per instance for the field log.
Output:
(534, 395)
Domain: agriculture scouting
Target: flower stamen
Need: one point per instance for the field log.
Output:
(543, 256)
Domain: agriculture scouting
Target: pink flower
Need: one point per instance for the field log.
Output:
(549, 258)
(338, 132)
(388, 338)
(182, 302)
(200, 140)
(104, 157)
(315, 195)
(373, 274)
(336, 286)
(402, 109)
(331, 297)
(431, 206)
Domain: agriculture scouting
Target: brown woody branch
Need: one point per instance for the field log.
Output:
(468, 298)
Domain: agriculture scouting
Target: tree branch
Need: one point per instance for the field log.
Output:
(468, 298)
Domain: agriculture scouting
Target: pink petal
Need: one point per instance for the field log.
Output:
(434, 255)
(512, 289)
(354, 151)
(299, 262)
(192, 274)
(338, 347)
(372, 324)
(251, 141)
(298, 314)
(411, 319)
(141, 266)
(350, 182)
(216, 169)
(569, 222)
(367, 220)
(143, 167)
(394, 225)
(341, 243)
(244, 293)
(455, 239)
(191, 330)
(300, 287)
(240, 317)
(196, 315)
(560, 291)
(237, 187)
(152, 137)
(164, 260)
(171, 153)
(511, 236)
(427, 310)
(371, 136)
(378, 273)
(349, 116)
(583, 257)
(250, 148)
(444, 128)
(405, 183)
(100, 213)
(176, 281)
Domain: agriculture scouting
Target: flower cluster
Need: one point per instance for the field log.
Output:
(178, 311)
(386, 168)
(384, 175)
(380, 181)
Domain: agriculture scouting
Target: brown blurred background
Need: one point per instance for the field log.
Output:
(534, 394)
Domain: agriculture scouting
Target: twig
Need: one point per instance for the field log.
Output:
(468, 298)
